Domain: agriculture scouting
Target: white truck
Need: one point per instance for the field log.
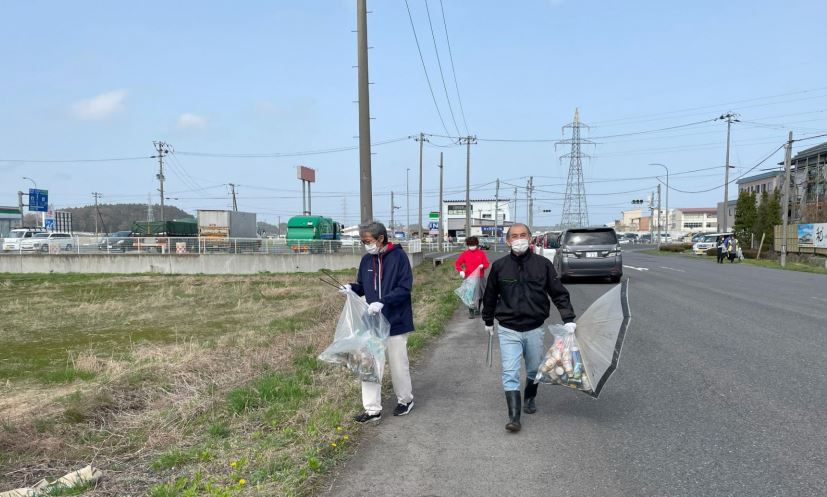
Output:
(228, 231)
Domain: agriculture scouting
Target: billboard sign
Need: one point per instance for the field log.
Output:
(433, 215)
(306, 174)
(38, 200)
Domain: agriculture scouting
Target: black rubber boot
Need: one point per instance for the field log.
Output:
(530, 393)
(471, 313)
(513, 399)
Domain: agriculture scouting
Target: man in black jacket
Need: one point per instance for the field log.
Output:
(517, 296)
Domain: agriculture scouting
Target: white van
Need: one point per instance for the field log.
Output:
(710, 240)
(17, 235)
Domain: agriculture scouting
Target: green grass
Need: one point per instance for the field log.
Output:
(275, 433)
(176, 457)
(791, 266)
(767, 263)
(62, 490)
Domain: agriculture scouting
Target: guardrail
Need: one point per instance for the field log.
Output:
(80, 245)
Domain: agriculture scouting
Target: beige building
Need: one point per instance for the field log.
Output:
(695, 219)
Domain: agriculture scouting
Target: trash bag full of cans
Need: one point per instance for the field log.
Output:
(360, 340)
(470, 292)
(563, 363)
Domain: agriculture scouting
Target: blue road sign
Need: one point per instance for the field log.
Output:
(50, 224)
(433, 225)
(38, 200)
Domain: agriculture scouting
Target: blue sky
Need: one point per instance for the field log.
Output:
(88, 80)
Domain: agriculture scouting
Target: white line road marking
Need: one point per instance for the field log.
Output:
(637, 268)
(673, 269)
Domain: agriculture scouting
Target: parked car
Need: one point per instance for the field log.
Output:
(709, 241)
(486, 242)
(589, 252)
(120, 240)
(16, 237)
(43, 241)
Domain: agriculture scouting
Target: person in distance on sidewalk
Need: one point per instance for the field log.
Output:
(471, 259)
(385, 280)
(517, 296)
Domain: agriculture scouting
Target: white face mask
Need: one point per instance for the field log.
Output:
(519, 246)
(372, 249)
(472, 247)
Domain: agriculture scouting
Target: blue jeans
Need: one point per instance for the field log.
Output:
(516, 345)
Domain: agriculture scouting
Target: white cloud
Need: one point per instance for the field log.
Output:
(100, 106)
(188, 120)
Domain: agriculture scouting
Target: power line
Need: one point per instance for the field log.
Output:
(439, 65)
(453, 70)
(291, 154)
(61, 161)
(765, 159)
(428, 78)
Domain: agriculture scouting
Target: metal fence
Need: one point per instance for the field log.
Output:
(91, 245)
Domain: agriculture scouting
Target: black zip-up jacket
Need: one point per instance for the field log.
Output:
(517, 293)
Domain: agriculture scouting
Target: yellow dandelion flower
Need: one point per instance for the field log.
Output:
(234, 464)
(242, 481)
(333, 445)
(346, 438)
(338, 428)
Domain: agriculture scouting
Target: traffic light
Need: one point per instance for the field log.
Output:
(546, 210)
(637, 201)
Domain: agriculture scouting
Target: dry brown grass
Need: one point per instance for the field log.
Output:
(167, 385)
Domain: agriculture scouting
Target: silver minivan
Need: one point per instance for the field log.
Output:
(589, 252)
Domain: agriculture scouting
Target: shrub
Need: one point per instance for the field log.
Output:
(673, 248)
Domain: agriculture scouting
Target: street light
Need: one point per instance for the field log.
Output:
(407, 205)
(667, 196)
(43, 214)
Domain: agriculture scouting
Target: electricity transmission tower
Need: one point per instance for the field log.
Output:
(575, 210)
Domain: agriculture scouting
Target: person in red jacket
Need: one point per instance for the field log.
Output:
(471, 259)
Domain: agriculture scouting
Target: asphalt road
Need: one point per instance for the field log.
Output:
(721, 390)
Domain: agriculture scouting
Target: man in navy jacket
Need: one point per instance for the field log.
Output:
(385, 280)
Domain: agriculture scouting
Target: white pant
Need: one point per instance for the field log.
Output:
(397, 355)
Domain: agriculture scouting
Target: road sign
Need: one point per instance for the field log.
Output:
(38, 200)
(433, 215)
(433, 225)
(49, 223)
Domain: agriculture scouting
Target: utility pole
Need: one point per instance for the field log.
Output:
(421, 141)
(162, 149)
(468, 140)
(232, 190)
(530, 202)
(514, 219)
(497, 212)
(365, 179)
(651, 217)
(660, 212)
(407, 203)
(96, 196)
(20, 206)
(730, 118)
(785, 202)
(393, 208)
(442, 220)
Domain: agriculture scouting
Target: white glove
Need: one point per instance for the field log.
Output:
(345, 289)
(570, 327)
(481, 266)
(490, 330)
(462, 274)
(375, 308)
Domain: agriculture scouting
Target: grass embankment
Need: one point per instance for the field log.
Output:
(182, 385)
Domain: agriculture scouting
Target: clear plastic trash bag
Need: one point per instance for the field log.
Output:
(360, 340)
(563, 362)
(470, 292)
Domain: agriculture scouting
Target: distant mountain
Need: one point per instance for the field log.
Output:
(119, 217)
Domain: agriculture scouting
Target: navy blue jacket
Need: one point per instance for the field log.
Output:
(387, 278)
